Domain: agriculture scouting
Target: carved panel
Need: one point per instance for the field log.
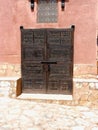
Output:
(47, 60)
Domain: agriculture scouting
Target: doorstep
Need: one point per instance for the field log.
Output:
(45, 96)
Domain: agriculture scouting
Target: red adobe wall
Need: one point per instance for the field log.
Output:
(81, 13)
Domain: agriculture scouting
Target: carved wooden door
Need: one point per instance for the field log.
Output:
(47, 61)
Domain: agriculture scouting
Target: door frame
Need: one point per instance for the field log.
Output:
(72, 28)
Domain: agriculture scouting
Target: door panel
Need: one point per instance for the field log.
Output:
(47, 60)
(33, 54)
(33, 75)
(60, 50)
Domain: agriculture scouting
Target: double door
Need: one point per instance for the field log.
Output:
(47, 60)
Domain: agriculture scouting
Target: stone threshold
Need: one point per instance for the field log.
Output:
(85, 80)
(45, 96)
(9, 78)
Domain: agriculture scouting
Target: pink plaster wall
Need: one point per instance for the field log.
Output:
(81, 13)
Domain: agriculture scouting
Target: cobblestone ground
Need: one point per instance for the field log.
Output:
(18, 114)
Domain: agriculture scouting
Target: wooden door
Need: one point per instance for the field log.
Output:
(47, 60)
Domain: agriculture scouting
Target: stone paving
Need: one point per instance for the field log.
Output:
(16, 114)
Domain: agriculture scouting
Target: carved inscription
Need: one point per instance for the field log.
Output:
(53, 37)
(39, 37)
(33, 54)
(27, 37)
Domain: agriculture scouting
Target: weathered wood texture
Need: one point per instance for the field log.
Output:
(47, 60)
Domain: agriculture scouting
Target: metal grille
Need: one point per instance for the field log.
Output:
(47, 11)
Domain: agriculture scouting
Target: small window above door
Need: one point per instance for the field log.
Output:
(47, 11)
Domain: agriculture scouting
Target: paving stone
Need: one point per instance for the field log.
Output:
(78, 128)
(35, 128)
(18, 114)
(95, 128)
(89, 114)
